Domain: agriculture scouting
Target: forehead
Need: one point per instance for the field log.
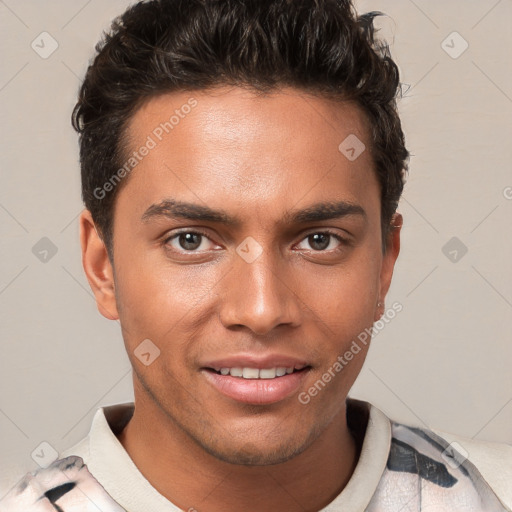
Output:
(260, 153)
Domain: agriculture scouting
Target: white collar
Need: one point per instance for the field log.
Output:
(111, 465)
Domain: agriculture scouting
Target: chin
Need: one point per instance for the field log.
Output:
(251, 456)
(258, 452)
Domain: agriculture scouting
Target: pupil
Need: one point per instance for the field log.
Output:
(190, 240)
(319, 241)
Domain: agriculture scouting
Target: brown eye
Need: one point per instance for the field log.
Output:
(319, 241)
(188, 241)
(324, 241)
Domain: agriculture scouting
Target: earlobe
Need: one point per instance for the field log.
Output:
(389, 260)
(97, 267)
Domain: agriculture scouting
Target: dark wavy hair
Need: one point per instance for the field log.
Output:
(162, 46)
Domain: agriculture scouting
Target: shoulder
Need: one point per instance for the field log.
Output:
(479, 471)
(62, 485)
(493, 461)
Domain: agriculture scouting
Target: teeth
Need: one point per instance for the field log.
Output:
(236, 372)
(255, 373)
(250, 373)
(269, 373)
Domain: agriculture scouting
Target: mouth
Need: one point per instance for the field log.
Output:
(251, 385)
(251, 373)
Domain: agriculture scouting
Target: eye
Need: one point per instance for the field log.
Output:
(188, 241)
(197, 241)
(325, 241)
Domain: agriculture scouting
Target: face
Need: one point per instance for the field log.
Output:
(245, 239)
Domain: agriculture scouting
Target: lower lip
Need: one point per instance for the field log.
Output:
(256, 391)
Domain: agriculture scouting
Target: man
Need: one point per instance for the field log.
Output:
(242, 163)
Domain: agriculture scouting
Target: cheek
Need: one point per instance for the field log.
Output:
(350, 291)
(347, 308)
(155, 297)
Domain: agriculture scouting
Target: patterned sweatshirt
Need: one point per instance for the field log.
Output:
(422, 473)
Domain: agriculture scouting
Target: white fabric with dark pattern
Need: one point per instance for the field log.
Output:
(400, 469)
(424, 473)
(64, 486)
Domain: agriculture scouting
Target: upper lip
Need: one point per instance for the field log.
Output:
(254, 361)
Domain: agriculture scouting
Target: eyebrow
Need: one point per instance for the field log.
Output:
(173, 209)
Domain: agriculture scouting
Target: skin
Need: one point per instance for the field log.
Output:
(255, 157)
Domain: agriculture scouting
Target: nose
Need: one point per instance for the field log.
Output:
(260, 295)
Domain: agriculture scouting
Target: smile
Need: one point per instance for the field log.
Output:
(256, 385)
(257, 373)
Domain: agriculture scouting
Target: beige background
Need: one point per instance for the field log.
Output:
(444, 361)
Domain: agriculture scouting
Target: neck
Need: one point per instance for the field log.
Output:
(192, 479)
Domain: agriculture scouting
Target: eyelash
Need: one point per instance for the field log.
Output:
(343, 241)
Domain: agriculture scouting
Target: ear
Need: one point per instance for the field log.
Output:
(97, 267)
(388, 260)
